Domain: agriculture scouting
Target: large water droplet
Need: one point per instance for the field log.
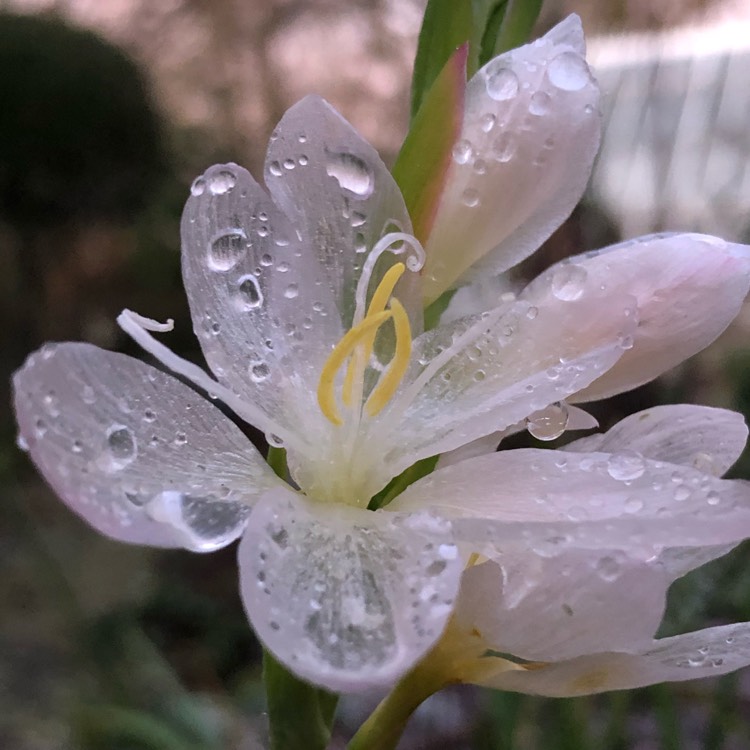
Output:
(568, 71)
(626, 465)
(569, 281)
(502, 83)
(198, 187)
(259, 371)
(351, 172)
(249, 293)
(204, 523)
(548, 423)
(121, 447)
(226, 251)
(222, 182)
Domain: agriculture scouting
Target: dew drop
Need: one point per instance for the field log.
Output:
(259, 371)
(504, 147)
(502, 83)
(608, 568)
(462, 152)
(540, 103)
(568, 72)
(548, 423)
(222, 182)
(249, 291)
(470, 197)
(291, 291)
(626, 465)
(121, 446)
(198, 187)
(568, 281)
(149, 416)
(681, 493)
(487, 122)
(303, 160)
(352, 173)
(266, 260)
(274, 440)
(22, 443)
(227, 249)
(275, 169)
(713, 498)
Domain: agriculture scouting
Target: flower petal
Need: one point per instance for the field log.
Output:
(342, 197)
(689, 288)
(251, 288)
(133, 451)
(346, 598)
(704, 653)
(485, 373)
(531, 131)
(553, 501)
(709, 439)
(544, 609)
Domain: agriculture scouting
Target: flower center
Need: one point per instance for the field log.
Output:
(355, 349)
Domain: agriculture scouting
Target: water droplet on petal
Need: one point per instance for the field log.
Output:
(681, 493)
(274, 440)
(462, 152)
(352, 173)
(568, 281)
(470, 197)
(568, 71)
(250, 295)
(548, 423)
(626, 465)
(227, 249)
(121, 447)
(540, 103)
(502, 83)
(22, 443)
(291, 291)
(222, 182)
(504, 147)
(259, 371)
(487, 122)
(608, 568)
(275, 169)
(198, 187)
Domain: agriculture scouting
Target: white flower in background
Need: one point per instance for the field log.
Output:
(308, 307)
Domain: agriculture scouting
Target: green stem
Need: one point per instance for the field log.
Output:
(300, 715)
(386, 724)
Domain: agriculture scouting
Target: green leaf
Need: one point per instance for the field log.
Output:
(424, 159)
(300, 715)
(512, 30)
(447, 24)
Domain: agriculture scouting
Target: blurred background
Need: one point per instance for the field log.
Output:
(109, 109)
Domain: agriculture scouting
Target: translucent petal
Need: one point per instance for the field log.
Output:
(482, 374)
(343, 199)
(346, 598)
(708, 439)
(262, 309)
(133, 451)
(553, 502)
(704, 653)
(689, 288)
(543, 609)
(530, 134)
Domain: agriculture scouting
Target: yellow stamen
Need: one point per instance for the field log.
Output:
(349, 342)
(390, 380)
(361, 357)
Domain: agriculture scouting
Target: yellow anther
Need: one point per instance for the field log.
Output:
(349, 342)
(385, 288)
(391, 378)
(361, 357)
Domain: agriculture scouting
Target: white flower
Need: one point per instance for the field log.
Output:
(570, 599)
(308, 307)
